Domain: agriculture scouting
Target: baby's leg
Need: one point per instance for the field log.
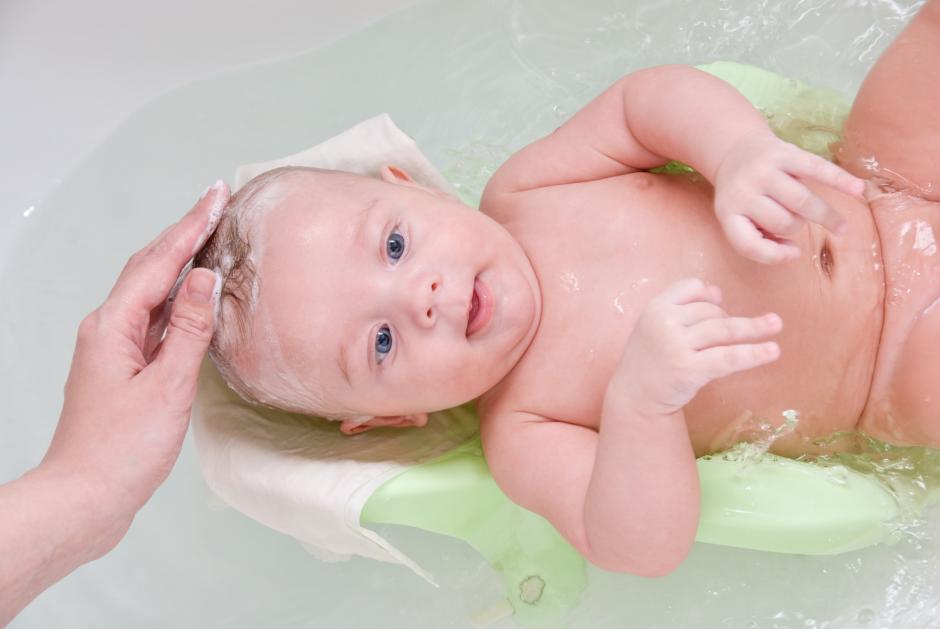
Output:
(893, 131)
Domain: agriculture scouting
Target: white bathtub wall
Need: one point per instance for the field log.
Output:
(70, 71)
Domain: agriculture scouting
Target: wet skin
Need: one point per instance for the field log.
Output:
(643, 232)
(592, 240)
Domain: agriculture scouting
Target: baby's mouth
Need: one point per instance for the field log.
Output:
(480, 309)
(473, 309)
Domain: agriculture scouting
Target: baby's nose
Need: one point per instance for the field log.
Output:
(425, 297)
(433, 302)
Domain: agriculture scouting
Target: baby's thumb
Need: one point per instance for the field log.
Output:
(187, 335)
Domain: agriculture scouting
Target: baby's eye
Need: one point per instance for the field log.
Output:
(383, 343)
(395, 245)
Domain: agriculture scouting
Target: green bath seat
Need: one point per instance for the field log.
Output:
(772, 504)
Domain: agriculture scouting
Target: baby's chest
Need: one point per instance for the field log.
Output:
(600, 253)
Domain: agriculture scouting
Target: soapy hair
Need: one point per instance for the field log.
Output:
(229, 253)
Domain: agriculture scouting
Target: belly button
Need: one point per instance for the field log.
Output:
(826, 261)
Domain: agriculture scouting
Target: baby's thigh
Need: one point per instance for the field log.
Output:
(904, 403)
(893, 131)
(911, 413)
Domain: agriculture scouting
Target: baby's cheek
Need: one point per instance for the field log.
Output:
(460, 379)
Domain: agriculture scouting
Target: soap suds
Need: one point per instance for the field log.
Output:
(215, 213)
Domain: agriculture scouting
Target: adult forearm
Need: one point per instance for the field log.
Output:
(50, 524)
(642, 505)
(686, 114)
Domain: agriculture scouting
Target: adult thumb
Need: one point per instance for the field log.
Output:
(188, 334)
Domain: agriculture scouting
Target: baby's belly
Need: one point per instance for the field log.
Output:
(624, 240)
(831, 303)
(904, 403)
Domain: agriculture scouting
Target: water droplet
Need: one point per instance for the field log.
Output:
(569, 281)
(617, 305)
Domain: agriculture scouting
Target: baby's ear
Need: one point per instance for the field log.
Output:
(393, 174)
(352, 427)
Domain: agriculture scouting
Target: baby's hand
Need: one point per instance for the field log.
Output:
(759, 198)
(682, 341)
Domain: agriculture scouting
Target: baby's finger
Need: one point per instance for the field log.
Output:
(811, 166)
(693, 313)
(796, 197)
(732, 330)
(689, 290)
(718, 362)
(773, 217)
(751, 243)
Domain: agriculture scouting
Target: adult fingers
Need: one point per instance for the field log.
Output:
(797, 198)
(188, 333)
(160, 315)
(150, 273)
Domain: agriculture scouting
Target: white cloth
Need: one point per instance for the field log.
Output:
(300, 475)
(362, 149)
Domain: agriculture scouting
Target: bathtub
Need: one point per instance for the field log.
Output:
(120, 119)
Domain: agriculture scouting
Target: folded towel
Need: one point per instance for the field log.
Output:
(300, 475)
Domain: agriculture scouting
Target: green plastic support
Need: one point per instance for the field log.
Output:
(772, 504)
(456, 495)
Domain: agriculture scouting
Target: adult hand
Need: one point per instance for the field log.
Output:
(127, 404)
(128, 396)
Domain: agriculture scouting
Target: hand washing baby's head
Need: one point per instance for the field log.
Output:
(372, 301)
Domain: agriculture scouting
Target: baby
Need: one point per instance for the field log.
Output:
(582, 306)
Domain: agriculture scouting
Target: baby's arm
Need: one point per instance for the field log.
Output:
(642, 121)
(627, 496)
(677, 112)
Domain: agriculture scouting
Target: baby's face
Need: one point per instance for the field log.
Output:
(386, 299)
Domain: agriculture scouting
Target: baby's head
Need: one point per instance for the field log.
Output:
(371, 301)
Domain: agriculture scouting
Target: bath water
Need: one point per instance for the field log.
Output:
(471, 82)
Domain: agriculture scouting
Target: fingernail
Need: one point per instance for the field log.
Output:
(200, 285)
(218, 185)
